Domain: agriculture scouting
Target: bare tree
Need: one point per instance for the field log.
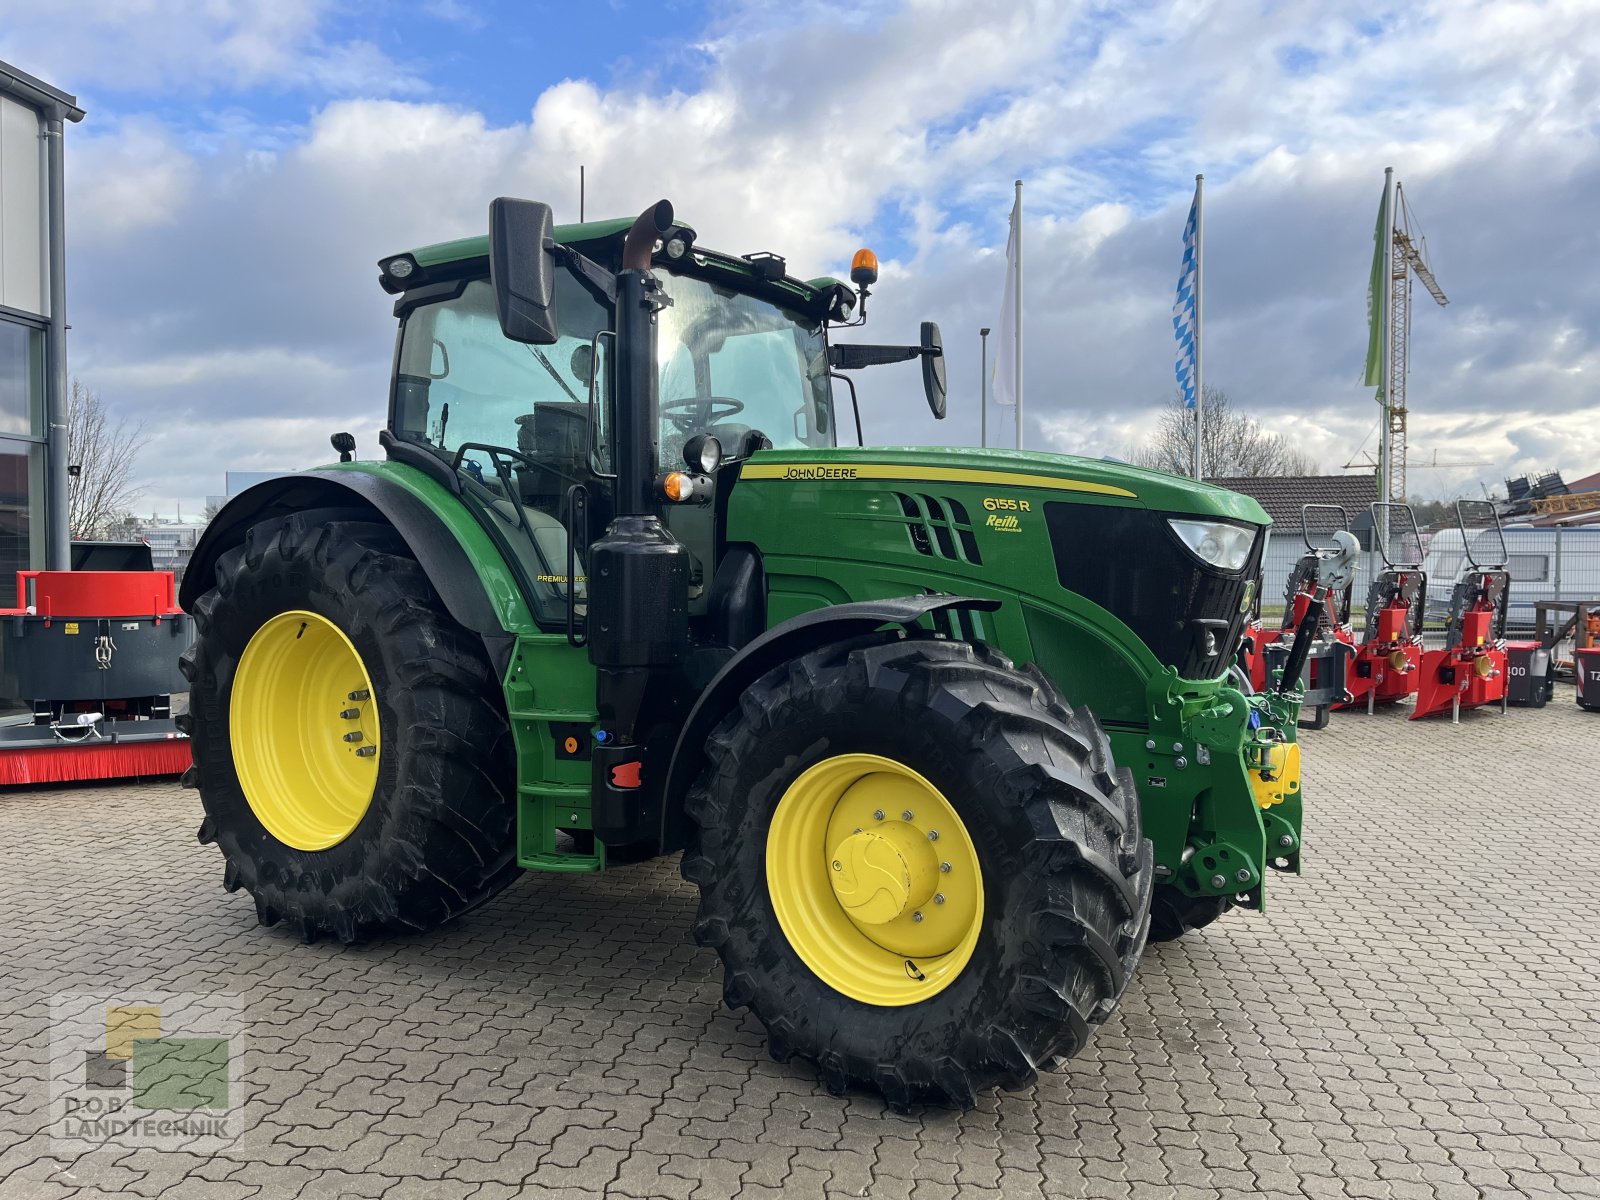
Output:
(101, 454)
(1233, 443)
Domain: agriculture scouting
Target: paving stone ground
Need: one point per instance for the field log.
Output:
(1416, 1017)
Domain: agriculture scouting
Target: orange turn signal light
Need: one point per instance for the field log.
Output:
(677, 486)
(864, 268)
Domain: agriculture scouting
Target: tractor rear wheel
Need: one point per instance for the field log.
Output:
(1174, 913)
(921, 869)
(350, 744)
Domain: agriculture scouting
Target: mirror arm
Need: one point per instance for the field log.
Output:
(598, 280)
(855, 356)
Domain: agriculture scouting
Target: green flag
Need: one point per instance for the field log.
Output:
(1375, 286)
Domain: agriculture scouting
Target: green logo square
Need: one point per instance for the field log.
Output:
(180, 1073)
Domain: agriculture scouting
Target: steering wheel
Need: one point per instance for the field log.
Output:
(700, 412)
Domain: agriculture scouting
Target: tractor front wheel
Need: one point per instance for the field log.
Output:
(350, 745)
(920, 867)
(1174, 913)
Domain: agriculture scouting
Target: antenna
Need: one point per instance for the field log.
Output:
(580, 193)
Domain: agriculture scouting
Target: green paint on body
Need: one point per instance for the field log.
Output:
(832, 526)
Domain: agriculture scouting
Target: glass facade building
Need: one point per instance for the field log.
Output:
(32, 327)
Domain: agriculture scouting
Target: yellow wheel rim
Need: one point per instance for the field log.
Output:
(874, 880)
(304, 727)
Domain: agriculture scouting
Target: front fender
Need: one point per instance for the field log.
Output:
(797, 636)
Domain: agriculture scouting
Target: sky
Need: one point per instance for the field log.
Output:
(243, 166)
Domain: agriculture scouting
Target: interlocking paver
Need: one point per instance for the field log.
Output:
(1416, 1018)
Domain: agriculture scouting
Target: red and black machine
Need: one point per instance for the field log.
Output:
(1471, 670)
(97, 654)
(1318, 592)
(1388, 659)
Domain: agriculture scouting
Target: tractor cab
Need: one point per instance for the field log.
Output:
(527, 420)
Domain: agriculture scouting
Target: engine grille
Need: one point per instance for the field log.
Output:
(1129, 562)
(939, 527)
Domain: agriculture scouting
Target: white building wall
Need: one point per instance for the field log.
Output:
(23, 283)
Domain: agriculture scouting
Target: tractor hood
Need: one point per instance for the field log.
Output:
(1110, 482)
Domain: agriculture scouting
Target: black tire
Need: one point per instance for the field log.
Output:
(1066, 872)
(1174, 913)
(438, 836)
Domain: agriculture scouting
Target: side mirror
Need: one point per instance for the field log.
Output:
(522, 270)
(933, 375)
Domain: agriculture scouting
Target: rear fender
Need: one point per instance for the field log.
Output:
(356, 495)
(791, 639)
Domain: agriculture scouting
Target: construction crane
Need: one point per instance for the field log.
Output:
(1367, 462)
(1408, 257)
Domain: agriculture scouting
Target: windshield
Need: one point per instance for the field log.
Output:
(732, 364)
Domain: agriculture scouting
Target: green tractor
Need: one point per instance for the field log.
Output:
(942, 735)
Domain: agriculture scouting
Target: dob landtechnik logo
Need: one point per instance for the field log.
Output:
(152, 1070)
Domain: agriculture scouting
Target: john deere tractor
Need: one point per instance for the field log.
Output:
(942, 735)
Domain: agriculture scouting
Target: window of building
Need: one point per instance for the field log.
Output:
(21, 380)
(21, 536)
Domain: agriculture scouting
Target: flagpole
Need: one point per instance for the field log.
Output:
(1017, 380)
(1199, 324)
(983, 387)
(1385, 301)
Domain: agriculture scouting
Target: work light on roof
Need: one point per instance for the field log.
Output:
(400, 268)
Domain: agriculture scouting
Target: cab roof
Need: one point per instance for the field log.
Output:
(602, 241)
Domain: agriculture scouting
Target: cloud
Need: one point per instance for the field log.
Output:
(194, 47)
(226, 283)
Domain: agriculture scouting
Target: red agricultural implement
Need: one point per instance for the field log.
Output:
(97, 654)
(1388, 659)
(1318, 592)
(1471, 670)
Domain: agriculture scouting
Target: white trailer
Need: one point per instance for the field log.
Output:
(1544, 563)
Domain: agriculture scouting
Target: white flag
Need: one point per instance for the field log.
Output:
(1005, 359)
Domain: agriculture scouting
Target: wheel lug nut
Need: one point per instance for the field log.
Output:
(938, 898)
(837, 865)
(360, 694)
(353, 736)
(878, 816)
(916, 918)
(350, 714)
(933, 835)
(944, 868)
(366, 751)
(906, 816)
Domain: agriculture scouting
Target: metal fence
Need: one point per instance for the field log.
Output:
(1555, 568)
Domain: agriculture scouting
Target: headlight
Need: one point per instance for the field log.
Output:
(1216, 543)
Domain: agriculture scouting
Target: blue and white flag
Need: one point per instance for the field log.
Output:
(1186, 309)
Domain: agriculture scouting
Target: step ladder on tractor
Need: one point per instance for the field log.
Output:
(1471, 670)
